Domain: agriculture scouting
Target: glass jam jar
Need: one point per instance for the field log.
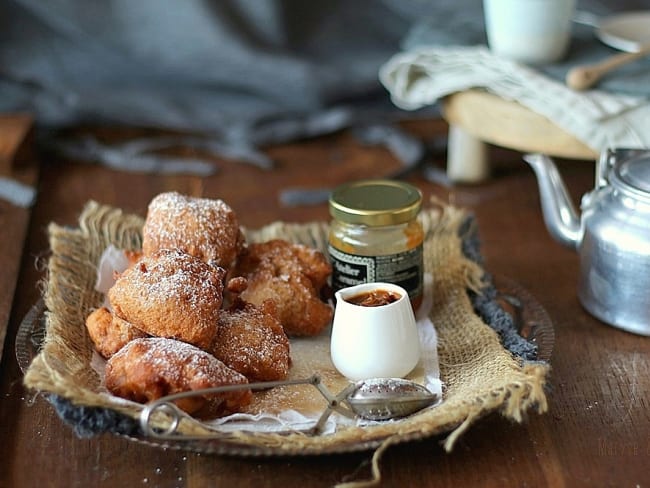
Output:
(375, 236)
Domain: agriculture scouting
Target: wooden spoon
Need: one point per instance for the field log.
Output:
(583, 77)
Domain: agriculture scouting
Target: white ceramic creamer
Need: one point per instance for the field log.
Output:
(374, 341)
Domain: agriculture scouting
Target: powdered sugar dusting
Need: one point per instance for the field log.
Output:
(173, 275)
(253, 343)
(205, 228)
(149, 368)
(171, 294)
(178, 361)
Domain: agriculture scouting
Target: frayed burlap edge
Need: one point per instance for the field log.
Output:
(480, 376)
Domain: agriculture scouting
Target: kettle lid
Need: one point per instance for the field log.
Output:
(634, 173)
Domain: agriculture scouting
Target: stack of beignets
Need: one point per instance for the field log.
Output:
(169, 328)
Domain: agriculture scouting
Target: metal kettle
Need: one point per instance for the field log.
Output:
(612, 235)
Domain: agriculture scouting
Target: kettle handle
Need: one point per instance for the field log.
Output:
(604, 165)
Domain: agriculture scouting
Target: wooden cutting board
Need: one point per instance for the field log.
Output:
(18, 164)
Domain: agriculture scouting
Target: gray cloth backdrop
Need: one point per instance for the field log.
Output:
(227, 67)
(240, 73)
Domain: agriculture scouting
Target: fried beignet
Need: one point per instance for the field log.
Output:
(170, 294)
(149, 368)
(110, 333)
(252, 341)
(205, 228)
(291, 275)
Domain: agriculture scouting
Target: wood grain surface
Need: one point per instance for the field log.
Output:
(16, 162)
(596, 433)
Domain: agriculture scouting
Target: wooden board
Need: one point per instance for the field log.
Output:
(16, 163)
(509, 124)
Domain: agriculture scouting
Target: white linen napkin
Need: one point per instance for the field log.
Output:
(422, 76)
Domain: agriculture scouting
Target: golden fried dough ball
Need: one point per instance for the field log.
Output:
(110, 333)
(170, 294)
(205, 228)
(149, 368)
(299, 309)
(286, 257)
(251, 341)
(291, 275)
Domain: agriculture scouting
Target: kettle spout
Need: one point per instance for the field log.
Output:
(559, 213)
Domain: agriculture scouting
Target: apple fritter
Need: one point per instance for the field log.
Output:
(292, 275)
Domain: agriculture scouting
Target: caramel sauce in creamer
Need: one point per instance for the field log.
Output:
(374, 298)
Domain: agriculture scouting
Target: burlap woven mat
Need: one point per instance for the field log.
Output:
(480, 375)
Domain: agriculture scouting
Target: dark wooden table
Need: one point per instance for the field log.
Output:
(597, 429)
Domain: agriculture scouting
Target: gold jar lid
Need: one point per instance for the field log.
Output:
(375, 202)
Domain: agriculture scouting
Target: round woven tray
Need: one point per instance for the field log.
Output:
(478, 373)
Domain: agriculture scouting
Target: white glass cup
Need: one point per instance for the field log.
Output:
(374, 342)
(529, 31)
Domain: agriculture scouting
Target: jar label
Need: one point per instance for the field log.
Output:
(403, 269)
